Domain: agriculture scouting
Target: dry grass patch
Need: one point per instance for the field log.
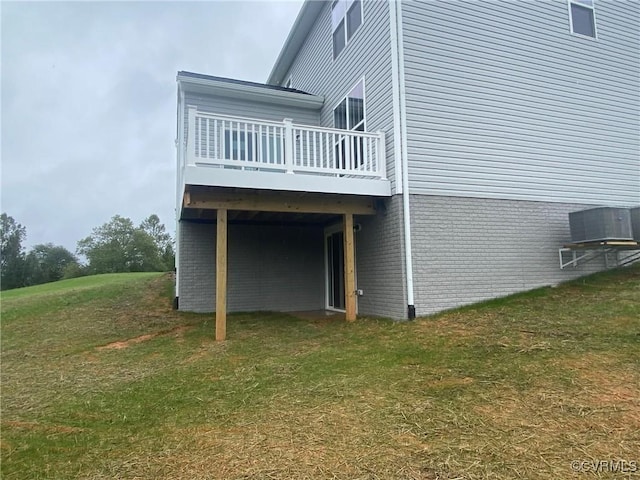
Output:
(554, 426)
(334, 441)
(606, 383)
(516, 388)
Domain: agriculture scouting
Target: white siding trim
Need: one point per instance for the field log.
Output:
(179, 161)
(395, 91)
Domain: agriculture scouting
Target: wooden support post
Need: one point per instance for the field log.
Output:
(221, 275)
(349, 269)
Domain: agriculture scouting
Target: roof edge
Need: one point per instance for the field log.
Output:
(232, 88)
(301, 28)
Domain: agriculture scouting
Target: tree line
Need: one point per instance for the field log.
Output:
(114, 247)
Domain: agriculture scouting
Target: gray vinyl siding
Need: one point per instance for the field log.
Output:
(504, 102)
(278, 268)
(238, 107)
(367, 54)
(470, 249)
(380, 262)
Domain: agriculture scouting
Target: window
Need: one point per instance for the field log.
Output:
(346, 17)
(349, 115)
(582, 17)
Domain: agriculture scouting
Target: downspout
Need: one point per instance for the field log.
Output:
(400, 142)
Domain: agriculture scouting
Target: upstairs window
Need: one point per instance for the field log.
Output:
(349, 114)
(346, 17)
(349, 151)
(582, 17)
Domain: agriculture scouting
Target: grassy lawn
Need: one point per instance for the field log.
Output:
(101, 379)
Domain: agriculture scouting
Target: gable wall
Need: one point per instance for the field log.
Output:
(367, 54)
(504, 102)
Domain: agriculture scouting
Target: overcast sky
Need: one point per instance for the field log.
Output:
(89, 102)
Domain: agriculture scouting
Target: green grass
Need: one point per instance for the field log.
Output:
(512, 388)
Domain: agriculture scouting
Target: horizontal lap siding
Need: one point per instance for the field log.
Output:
(367, 54)
(238, 107)
(504, 102)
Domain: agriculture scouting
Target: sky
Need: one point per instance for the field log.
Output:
(88, 101)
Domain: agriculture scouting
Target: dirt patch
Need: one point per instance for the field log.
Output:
(119, 345)
(450, 382)
(38, 426)
(455, 326)
(208, 349)
(605, 384)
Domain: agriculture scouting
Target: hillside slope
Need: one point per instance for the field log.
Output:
(102, 379)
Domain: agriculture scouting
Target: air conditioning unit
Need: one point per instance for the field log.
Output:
(600, 224)
(635, 223)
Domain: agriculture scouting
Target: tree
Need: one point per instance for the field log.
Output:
(47, 263)
(118, 246)
(12, 261)
(163, 241)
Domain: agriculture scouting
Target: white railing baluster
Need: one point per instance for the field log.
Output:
(253, 142)
(234, 141)
(288, 144)
(327, 144)
(352, 147)
(263, 145)
(282, 147)
(206, 138)
(215, 139)
(341, 144)
(246, 144)
(315, 149)
(223, 137)
(260, 142)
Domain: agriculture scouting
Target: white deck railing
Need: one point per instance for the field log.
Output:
(257, 145)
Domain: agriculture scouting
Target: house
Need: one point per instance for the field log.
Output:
(406, 157)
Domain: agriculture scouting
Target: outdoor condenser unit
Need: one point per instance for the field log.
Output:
(635, 223)
(599, 224)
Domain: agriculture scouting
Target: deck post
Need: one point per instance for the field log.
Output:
(349, 269)
(221, 275)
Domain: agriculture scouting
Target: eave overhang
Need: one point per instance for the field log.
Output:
(202, 84)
